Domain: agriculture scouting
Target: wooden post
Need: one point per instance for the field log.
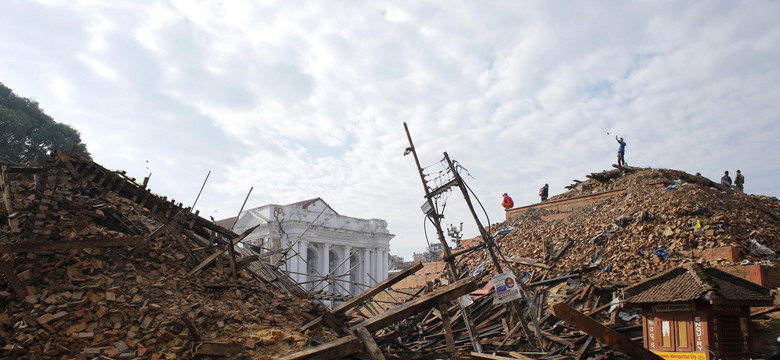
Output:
(602, 333)
(370, 344)
(8, 199)
(447, 323)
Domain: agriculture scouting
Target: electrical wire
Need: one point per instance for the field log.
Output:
(501, 254)
(425, 231)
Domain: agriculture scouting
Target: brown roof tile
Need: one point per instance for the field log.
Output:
(693, 282)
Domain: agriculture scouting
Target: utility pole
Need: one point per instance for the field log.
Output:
(435, 218)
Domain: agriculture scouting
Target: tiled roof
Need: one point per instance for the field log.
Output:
(430, 271)
(305, 204)
(693, 282)
(226, 223)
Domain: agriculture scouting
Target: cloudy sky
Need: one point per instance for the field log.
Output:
(305, 99)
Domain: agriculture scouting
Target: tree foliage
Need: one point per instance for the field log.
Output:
(28, 134)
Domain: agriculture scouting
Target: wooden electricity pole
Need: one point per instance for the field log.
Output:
(435, 219)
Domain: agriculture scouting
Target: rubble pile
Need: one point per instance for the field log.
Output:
(664, 218)
(96, 266)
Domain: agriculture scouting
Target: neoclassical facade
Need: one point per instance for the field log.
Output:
(311, 240)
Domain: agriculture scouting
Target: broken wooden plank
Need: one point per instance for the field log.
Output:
(221, 251)
(369, 343)
(584, 349)
(476, 355)
(34, 246)
(602, 333)
(447, 324)
(335, 349)
(368, 294)
(191, 326)
(336, 324)
(554, 280)
(529, 262)
(443, 294)
(508, 335)
(13, 280)
(563, 248)
(390, 281)
(217, 348)
(24, 169)
(464, 252)
(518, 355)
(8, 199)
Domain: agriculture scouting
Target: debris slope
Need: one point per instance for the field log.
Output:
(678, 216)
(96, 266)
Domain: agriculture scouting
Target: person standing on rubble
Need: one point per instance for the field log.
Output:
(739, 181)
(508, 203)
(544, 191)
(621, 151)
(726, 179)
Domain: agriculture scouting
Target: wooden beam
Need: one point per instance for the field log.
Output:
(554, 280)
(217, 348)
(447, 324)
(517, 355)
(563, 248)
(335, 349)
(13, 280)
(65, 160)
(208, 260)
(602, 333)
(475, 355)
(191, 326)
(8, 199)
(464, 251)
(370, 344)
(34, 246)
(529, 262)
(24, 169)
(336, 324)
(361, 298)
(443, 294)
(221, 251)
(584, 349)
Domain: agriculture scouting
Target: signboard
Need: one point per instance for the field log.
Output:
(506, 287)
(681, 355)
(698, 332)
(726, 308)
(672, 307)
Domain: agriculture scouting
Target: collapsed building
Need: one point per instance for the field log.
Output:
(95, 265)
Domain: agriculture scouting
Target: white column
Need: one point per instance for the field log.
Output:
(385, 265)
(381, 275)
(371, 265)
(324, 268)
(345, 271)
(377, 266)
(303, 253)
(366, 267)
(295, 261)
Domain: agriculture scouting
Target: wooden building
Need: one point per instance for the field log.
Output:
(693, 312)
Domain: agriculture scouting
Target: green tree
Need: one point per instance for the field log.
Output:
(27, 133)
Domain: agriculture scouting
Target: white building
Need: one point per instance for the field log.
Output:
(319, 240)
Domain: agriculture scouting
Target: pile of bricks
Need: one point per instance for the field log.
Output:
(90, 274)
(689, 217)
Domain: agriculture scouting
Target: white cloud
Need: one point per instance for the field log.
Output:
(308, 100)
